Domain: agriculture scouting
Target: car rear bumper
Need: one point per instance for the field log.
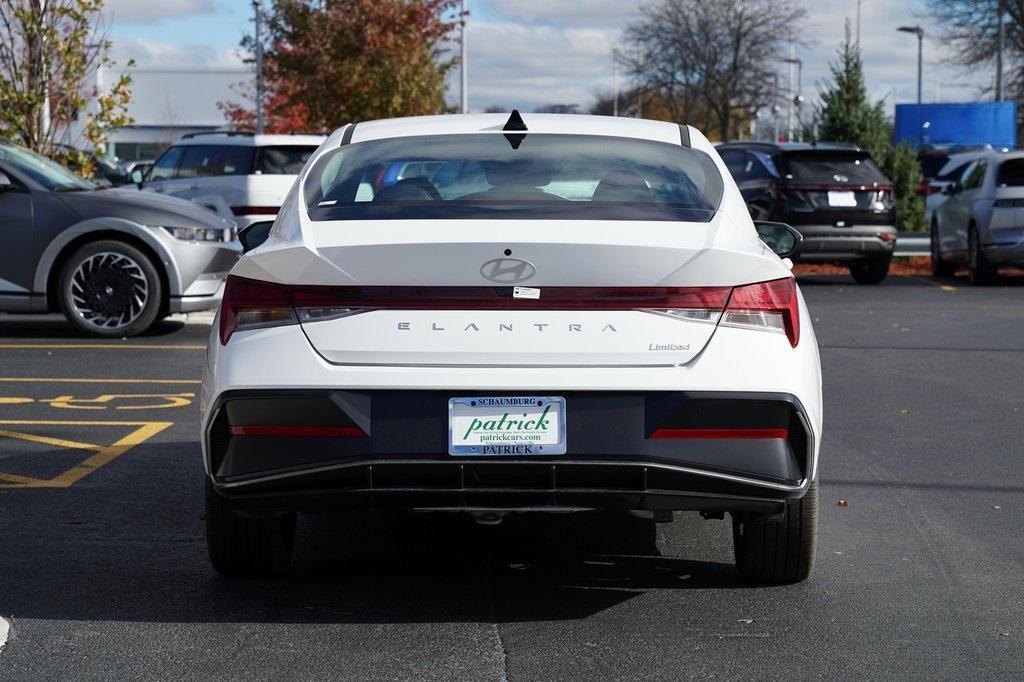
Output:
(399, 457)
(830, 244)
(1005, 254)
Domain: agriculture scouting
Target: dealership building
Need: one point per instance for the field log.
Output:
(168, 102)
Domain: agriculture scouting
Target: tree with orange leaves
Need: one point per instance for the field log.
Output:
(329, 62)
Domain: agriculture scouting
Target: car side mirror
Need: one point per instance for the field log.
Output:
(254, 235)
(779, 237)
(5, 183)
(137, 177)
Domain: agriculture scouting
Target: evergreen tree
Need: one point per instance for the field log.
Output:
(847, 115)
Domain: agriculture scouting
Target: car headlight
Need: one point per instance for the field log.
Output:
(198, 234)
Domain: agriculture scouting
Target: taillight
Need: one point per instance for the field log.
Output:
(252, 304)
(768, 306)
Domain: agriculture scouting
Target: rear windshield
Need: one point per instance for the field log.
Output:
(1011, 173)
(485, 175)
(833, 168)
(282, 160)
(932, 164)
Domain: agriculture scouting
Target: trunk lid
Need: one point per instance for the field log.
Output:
(604, 293)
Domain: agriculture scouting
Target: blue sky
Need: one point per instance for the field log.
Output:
(529, 52)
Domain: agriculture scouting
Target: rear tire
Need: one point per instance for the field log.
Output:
(778, 549)
(870, 271)
(940, 267)
(978, 269)
(260, 544)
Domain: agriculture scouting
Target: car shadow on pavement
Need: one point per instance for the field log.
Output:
(354, 568)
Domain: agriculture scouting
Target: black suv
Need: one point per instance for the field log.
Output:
(833, 194)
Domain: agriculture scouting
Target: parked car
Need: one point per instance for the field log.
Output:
(981, 223)
(511, 344)
(113, 261)
(949, 173)
(237, 174)
(108, 171)
(934, 160)
(833, 194)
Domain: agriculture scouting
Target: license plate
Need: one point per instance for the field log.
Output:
(845, 199)
(506, 426)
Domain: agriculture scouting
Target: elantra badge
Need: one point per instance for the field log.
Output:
(508, 270)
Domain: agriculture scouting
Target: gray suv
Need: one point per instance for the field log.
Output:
(113, 261)
(981, 222)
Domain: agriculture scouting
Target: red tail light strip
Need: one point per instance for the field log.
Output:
(255, 210)
(718, 434)
(825, 187)
(327, 431)
(273, 304)
(500, 298)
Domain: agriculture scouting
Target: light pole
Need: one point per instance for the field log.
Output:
(258, 9)
(615, 82)
(463, 73)
(797, 99)
(1000, 41)
(919, 32)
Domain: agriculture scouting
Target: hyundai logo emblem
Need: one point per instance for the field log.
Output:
(508, 270)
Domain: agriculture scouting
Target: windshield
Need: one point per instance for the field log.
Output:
(47, 173)
(829, 168)
(486, 176)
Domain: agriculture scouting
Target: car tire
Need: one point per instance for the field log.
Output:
(871, 271)
(978, 269)
(110, 288)
(940, 267)
(258, 543)
(778, 549)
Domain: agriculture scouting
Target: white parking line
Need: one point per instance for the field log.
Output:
(5, 629)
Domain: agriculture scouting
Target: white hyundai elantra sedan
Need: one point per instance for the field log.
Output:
(499, 314)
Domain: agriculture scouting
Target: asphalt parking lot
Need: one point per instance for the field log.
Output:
(103, 572)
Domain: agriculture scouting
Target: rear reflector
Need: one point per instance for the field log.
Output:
(712, 434)
(323, 431)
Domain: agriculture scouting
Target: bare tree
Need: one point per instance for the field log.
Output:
(971, 28)
(713, 59)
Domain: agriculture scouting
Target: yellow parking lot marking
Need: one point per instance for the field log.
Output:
(946, 287)
(84, 380)
(14, 401)
(156, 401)
(103, 454)
(46, 440)
(101, 346)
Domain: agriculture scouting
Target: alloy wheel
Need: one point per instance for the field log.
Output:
(108, 290)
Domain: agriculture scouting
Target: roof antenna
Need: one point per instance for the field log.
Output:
(515, 129)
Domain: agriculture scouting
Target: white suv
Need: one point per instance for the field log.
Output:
(240, 175)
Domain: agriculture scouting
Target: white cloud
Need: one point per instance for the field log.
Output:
(146, 11)
(149, 53)
(547, 51)
(526, 66)
(590, 13)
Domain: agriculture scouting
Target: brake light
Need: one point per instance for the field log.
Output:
(251, 304)
(768, 306)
